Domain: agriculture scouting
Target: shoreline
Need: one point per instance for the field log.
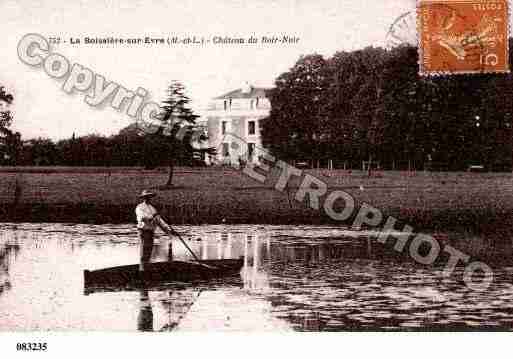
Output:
(472, 220)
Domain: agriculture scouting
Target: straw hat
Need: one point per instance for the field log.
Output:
(147, 194)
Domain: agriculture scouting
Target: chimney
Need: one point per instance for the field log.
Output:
(246, 88)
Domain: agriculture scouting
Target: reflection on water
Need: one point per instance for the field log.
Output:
(8, 250)
(294, 278)
(145, 318)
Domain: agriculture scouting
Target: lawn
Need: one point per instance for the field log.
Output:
(214, 194)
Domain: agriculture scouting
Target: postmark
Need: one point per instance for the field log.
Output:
(403, 31)
(463, 36)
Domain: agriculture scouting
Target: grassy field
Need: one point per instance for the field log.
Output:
(213, 195)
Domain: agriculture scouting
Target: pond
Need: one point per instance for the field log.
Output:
(295, 278)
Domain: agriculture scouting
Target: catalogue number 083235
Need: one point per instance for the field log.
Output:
(32, 347)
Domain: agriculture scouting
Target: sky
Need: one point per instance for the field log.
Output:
(42, 109)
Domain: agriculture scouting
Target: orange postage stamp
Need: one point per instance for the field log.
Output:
(463, 36)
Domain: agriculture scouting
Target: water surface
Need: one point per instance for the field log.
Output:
(306, 278)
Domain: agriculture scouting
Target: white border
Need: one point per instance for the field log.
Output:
(262, 346)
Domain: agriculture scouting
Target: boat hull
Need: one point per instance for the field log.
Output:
(161, 272)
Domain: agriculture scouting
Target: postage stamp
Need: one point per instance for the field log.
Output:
(463, 36)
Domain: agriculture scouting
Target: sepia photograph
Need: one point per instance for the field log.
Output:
(264, 166)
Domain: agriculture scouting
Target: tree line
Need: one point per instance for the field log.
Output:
(10, 141)
(173, 138)
(372, 106)
(368, 105)
(130, 147)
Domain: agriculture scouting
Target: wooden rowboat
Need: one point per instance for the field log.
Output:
(161, 272)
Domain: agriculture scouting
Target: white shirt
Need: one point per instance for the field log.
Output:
(148, 218)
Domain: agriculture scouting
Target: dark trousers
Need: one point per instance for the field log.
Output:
(146, 247)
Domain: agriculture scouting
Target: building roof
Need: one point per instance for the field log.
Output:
(253, 92)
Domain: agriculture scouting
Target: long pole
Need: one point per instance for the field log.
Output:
(186, 246)
(193, 254)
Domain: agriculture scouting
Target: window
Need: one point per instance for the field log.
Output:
(251, 151)
(227, 104)
(226, 149)
(251, 127)
(223, 127)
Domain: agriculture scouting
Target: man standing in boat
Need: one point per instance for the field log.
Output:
(147, 221)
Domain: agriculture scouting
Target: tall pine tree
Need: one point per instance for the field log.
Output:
(176, 127)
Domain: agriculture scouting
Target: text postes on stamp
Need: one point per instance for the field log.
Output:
(463, 36)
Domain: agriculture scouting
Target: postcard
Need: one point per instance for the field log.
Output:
(268, 166)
